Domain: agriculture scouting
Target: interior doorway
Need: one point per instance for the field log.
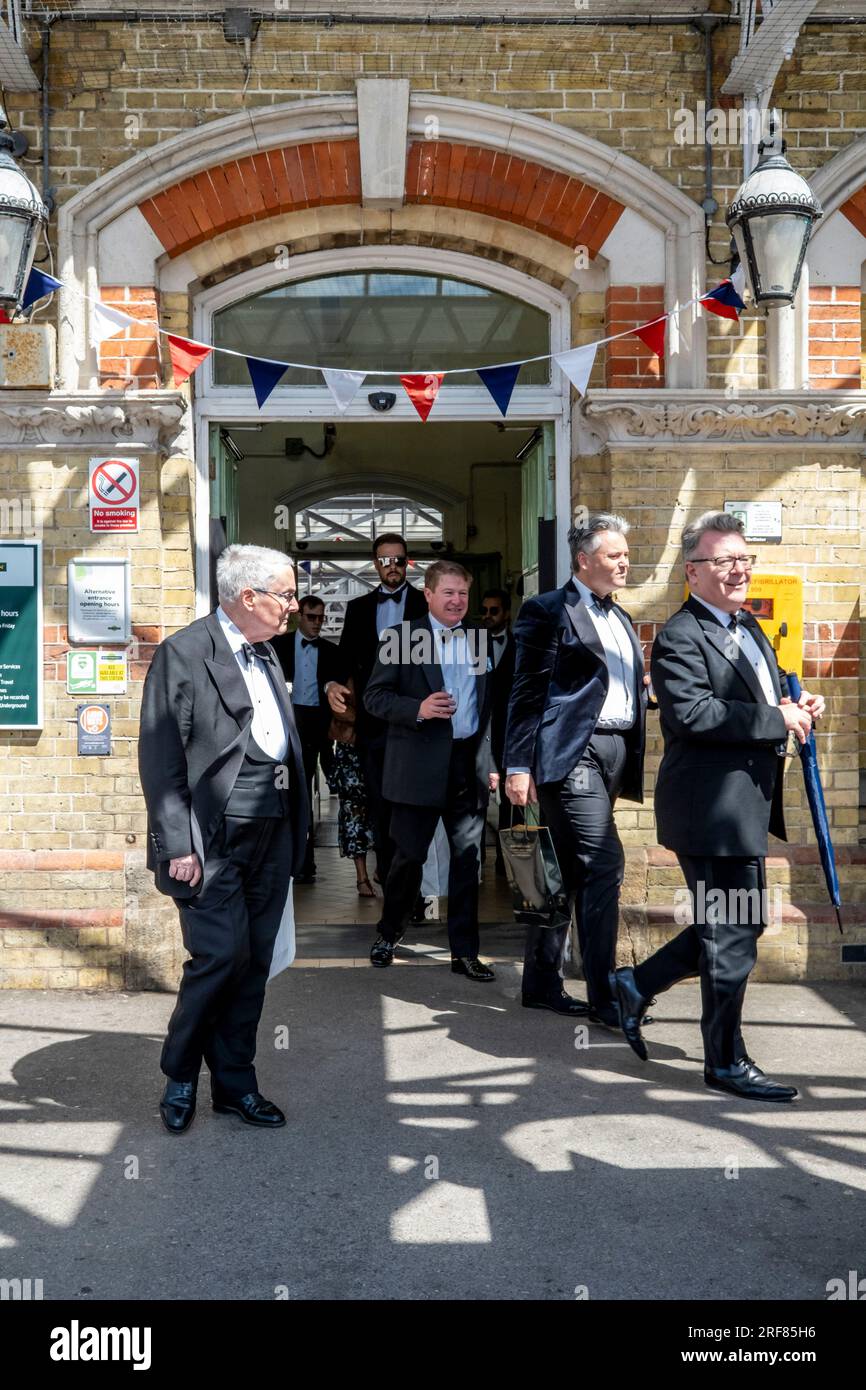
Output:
(477, 491)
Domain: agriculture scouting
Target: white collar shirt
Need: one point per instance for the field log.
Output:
(269, 725)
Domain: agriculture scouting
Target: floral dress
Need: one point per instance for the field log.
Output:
(346, 781)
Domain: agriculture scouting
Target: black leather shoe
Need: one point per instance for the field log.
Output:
(746, 1079)
(558, 1004)
(177, 1106)
(605, 1014)
(382, 951)
(472, 968)
(253, 1110)
(305, 878)
(631, 1007)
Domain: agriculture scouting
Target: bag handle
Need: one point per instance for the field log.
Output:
(531, 813)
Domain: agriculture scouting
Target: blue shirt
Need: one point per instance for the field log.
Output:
(458, 675)
(390, 613)
(305, 687)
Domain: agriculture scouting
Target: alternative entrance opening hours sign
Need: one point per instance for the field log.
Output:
(113, 494)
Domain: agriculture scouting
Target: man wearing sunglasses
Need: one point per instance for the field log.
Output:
(725, 719)
(367, 617)
(223, 780)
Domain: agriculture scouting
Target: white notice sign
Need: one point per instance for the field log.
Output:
(99, 601)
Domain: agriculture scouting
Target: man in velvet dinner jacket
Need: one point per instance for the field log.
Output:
(575, 742)
(223, 779)
(392, 602)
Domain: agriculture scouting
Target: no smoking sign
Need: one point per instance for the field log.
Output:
(113, 494)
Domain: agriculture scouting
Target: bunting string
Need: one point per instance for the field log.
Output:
(422, 388)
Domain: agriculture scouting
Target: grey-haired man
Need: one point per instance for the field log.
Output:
(227, 808)
(575, 732)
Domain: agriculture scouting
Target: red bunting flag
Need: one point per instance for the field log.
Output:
(653, 334)
(422, 388)
(185, 357)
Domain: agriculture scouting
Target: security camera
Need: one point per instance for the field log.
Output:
(382, 400)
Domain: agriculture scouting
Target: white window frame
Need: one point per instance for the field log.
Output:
(223, 404)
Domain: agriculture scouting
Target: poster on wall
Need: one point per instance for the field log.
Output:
(113, 494)
(21, 634)
(99, 601)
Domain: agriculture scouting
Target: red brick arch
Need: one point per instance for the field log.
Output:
(328, 172)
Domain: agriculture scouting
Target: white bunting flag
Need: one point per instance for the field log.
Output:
(105, 322)
(344, 386)
(577, 365)
(738, 280)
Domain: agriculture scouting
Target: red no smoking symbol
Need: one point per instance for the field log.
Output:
(113, 483)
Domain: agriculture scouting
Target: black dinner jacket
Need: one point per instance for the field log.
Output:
(719, 786)
(417, 756)
(327, 666)
(359, 644)
(560, 685)
(503, 679)
(196, 719)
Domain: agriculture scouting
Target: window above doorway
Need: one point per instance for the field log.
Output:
(385, 320)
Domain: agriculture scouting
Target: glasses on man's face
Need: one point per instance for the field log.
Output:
(725, 563)
(386, 560)
(490, 612)
(287, 596)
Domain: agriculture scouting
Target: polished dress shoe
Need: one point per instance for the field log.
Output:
(558, 1003)
(605, 1014)
(252, 1108)
(382, 951)
(177, 1106)
(472, 968)
(746, 1079)
(631, 1007)
(306, 877)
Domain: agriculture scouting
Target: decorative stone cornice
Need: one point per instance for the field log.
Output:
(656, 418)
(143, 420)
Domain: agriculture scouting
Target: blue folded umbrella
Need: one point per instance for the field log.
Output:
(815, 796)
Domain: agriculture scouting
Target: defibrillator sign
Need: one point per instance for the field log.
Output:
(113, 494)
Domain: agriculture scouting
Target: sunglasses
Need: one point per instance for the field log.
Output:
(400, 560)
(491, 612)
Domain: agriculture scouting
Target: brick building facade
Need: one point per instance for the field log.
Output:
(536, 155)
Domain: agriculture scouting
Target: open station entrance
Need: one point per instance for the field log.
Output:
(303, 477)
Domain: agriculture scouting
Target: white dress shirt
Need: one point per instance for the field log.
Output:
(749, 648)
(305, 686)
(269, 726)
(458, 674)
(389, 614)
(617, 712)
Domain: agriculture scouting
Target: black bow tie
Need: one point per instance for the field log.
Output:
(499, 637)
(604, 603)
(383, 595)
(309, 641)
(259, 650)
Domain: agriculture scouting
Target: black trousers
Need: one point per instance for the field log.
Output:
(729, 906)
(372, 753)
(312, 723)
(412, 831)
(579, 812)
(229, 929)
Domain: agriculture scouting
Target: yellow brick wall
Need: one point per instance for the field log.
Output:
(72, 828)
(119, 88)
